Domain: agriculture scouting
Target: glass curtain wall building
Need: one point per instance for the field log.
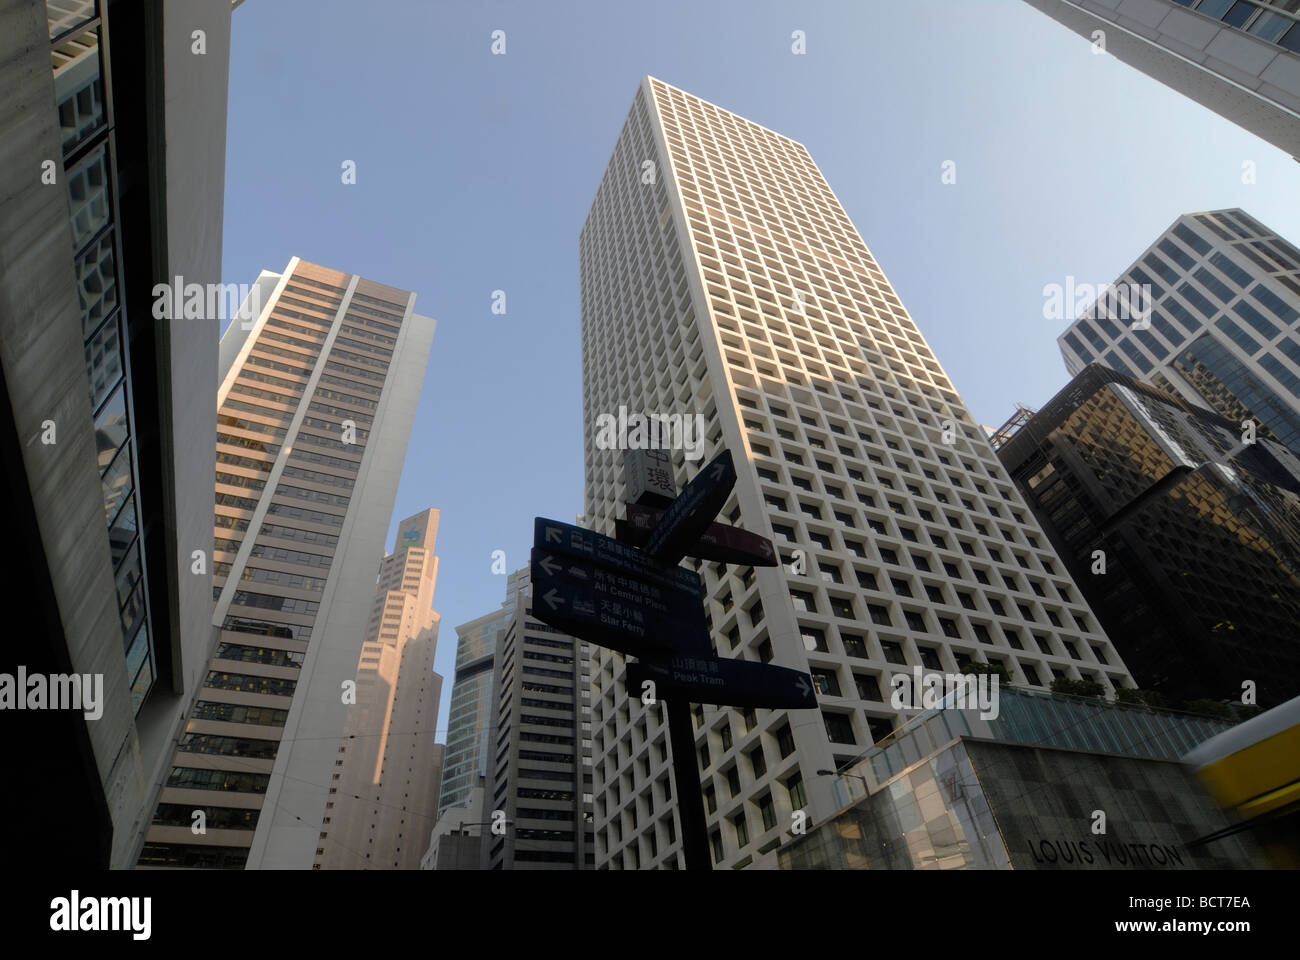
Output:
(470, 716)
(1198, 535)
(1224, 331)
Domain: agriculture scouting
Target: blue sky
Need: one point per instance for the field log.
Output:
(475, 172)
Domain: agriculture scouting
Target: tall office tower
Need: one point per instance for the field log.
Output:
(1224, 330)
(1185, 542)
(106, 445)
(384, 791)
(314, 413)
(1239, 58)
(470, 716)
(539, 778)
(720, 276)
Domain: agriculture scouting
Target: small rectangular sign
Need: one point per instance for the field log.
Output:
(571, 541)
(717, 680)
(614, 610)
(648, 477)
(719, 543)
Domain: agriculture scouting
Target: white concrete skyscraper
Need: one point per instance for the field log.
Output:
(721, 276)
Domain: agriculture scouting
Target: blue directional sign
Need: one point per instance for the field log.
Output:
(727, 683)
(614, 609)
(693, 510)
(565, 538)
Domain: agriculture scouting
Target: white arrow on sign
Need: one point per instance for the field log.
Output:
(554, 536)
(578, 572)
(549, 565)
(802, 684)
(552, 598)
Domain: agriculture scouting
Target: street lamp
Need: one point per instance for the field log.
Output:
(866, 789)
(832, 773)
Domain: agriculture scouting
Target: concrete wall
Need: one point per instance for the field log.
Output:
(190, 208)
(1253, 83)
(44, 367)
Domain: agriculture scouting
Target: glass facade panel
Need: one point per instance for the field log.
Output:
(64, 15)
(79, 92)
(82, 90)
(111, 428)
(122, 533)
(142, 684)
(88, 196)
(1231, 389)
(96, 284)
(116, 484)
(137, 651)
(104, 362)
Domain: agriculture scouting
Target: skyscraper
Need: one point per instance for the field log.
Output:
(384, 792)
(314, 413)
(720, 276)
(1224, 330)
(539, 781)
(470, 716)
(1185, 541)
(1239, 58)
(105, 440)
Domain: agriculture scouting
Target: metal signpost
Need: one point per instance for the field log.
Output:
(629, 595)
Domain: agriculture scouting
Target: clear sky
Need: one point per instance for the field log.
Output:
(475, 173)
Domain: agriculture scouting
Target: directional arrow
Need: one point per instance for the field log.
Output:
(564, 542)
(717, 680)
(692, 511)
(616, 611)
(720, 542)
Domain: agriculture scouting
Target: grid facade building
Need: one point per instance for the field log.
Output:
(384, 789)
(539, 784)
(1239, 58)
(721, 276)
(314, 413)
(1224, 329)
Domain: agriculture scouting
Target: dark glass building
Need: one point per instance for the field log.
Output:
(1185, 541)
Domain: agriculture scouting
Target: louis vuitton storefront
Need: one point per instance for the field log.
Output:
(1053, 783)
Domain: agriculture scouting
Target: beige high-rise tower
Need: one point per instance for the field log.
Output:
(384, 795)
(314, 412)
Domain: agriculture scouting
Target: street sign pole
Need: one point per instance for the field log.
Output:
(630, 595)
(686, 783)
(688, 793)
